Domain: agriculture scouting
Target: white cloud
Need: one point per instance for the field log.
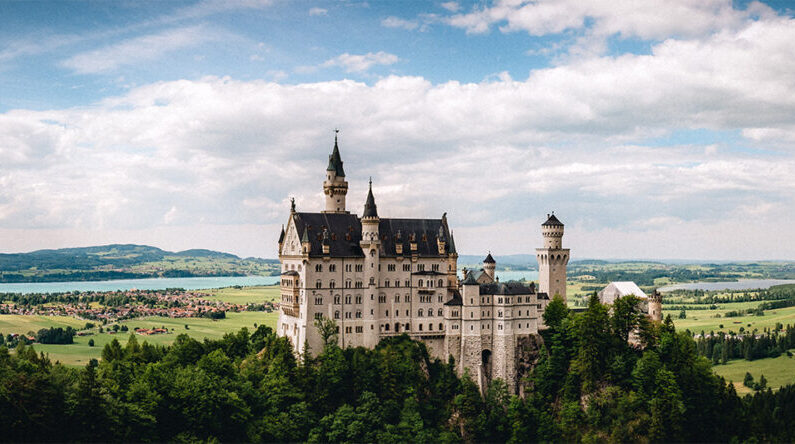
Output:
(496, 155)
(141, 49)
(361, 62)
(318, 11)
(396, 22)
(451, 6)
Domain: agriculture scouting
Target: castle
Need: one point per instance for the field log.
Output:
(379, 277)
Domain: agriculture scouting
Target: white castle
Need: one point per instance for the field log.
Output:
(379, 277)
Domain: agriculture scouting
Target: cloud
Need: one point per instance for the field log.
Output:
(318, 11)
(361, 62)
(451, 6)
(582, 138)
(141, 49)
(396, 22)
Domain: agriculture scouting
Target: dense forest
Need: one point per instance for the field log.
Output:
(590, 384)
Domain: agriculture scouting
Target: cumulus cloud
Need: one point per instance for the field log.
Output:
(140, 49)
(361, 62)
(318, 11)
(496, 155)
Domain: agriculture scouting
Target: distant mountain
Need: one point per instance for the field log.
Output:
(123, 261)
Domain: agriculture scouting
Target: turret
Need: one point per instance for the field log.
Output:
(552, 259)
(371, 247)
(655, 306)
(335, 187)
(489, 265)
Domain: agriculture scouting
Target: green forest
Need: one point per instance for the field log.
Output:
(590, 384)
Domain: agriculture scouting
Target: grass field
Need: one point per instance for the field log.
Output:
(778, 372)
(80, 353)
(243, 295)
(22, 323)
(698, 320)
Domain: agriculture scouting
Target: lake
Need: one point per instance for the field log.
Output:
(742, 284)
(193, 283)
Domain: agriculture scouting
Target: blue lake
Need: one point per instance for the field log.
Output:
(742, 284)
(194, 283)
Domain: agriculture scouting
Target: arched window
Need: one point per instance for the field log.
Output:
(420, 327)
(430, 312)
(441, 327)
(336, 314)
(408, 327)
(441, 282)
(419, 313)
(439, 312)
(419, 284)
(430, 327)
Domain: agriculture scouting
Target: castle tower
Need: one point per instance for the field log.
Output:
(655, 306)
(489, 266)
(472, 356)
(335, 187)
(552, 259)
(370, 244)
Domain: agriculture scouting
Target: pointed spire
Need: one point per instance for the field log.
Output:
(489, 259)
(452, 243)
(305, 237)
(335, 160)
(370, 210)
(281, 236)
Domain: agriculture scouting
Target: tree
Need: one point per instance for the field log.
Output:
(683, 314)
(327, 329)
(748, 381)
(555, 312)
(91, 342)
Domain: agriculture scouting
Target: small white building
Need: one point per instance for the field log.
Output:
(615, 290)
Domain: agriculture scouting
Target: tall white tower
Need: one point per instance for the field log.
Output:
(552, 259)
(371, 243)
(335, 187)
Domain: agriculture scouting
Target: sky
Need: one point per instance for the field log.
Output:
(654, 129)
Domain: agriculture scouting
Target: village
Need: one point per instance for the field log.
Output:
(114, 306)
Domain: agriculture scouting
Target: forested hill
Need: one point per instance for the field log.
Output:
(124, 261)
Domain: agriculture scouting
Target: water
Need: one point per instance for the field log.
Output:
(193, 283)
(743, 284)
(529, 275)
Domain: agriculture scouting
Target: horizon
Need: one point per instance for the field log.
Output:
(663, 130)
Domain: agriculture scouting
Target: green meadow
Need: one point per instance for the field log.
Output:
(707, 320)
(80, 352)
(243, 295)
(26, 323)
(778, 371)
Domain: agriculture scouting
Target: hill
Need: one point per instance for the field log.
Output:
(125, 261)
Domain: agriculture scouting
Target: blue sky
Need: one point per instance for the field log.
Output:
(655, 129)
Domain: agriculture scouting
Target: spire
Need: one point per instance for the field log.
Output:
(370, 209)
(452, 243)
(281, 236)
(305, 237)
(552, 220)
(335, 160)
(489, 259)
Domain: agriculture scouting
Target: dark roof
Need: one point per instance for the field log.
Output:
(470, 280)
(507, 288)
(456, 300)
(281, 235)
(370, 210)
(542, 296)
(553, 221)
(335, 161)
(451, 244)
(290, 273)
(489, 260)
(427, 273)
(345, 233)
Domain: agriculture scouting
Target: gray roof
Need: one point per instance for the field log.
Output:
(335, 160)
(552, 221)
(370, 209)
(456, 300)
(507, 288)
(345, 233)
(489, 260)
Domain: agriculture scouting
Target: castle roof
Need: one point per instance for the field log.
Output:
(456, 299)
(625, 288)
(370, 209)
(281, 235)
(552, 221)
(335, 161)
(489, 260)
(507, 288)
(345, 233)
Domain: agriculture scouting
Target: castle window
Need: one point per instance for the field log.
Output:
(319, 300)
(359, 267)
(441, 327)
(439, 312)
(397, 298)
(499, 314)
(430, 312)
(419, 284)
(386, 283)
(406, 267)
(348, 330)
(359, 329)
(348, 267)
(435, 267)
(336, 314)
(372, 281)
(441, 283)
(499, 327)
(440, 298)
(382, 298)
(348, 283)
(430, 283)
(358, 314)
(408, 327)
(407, 313)
(499, 300)
(420, 267)
(358, 299)
(358, 284)
(332, 284)
(407, 298)
(471, 327)
(319, 267)
(397, 283)
(430, 327)
(408, 283)
(347, 315)
(318, 284)
(419, 313)
(397, 327)
(347, 299)
(332, 267)
(318, 315)
(387, 313)
(455, 313)
(390, 267)
(386, 327)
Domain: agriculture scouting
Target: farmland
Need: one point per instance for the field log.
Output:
(778, 371)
